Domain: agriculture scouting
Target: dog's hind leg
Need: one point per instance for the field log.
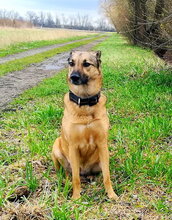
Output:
(56, 154)
(58, 157)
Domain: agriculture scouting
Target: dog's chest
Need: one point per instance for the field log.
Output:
(86, 135)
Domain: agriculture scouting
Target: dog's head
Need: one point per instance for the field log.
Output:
(85, 77)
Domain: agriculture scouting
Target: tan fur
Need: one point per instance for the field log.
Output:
(82, 147)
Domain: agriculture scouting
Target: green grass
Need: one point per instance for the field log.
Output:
(138, 87)
(31, 180)
(22, 63)
(24, 46)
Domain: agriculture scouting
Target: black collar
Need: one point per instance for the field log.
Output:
(93, 100)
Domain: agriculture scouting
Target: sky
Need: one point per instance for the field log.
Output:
(66, 7)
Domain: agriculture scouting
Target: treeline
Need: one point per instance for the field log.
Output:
(13, 19)
(143, 22)
(42, 19)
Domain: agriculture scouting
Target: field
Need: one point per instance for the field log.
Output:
(138, 86)
(19, 64)
(11, 36)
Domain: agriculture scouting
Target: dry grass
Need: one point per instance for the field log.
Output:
(138, 89)
(9, 36)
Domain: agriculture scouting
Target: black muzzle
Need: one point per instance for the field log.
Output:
(78, 78)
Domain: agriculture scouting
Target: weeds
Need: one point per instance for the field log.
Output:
(2, 186)
(139, 140)
(31, 180)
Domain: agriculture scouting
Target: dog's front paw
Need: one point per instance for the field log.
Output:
(76, 196)
(113, 196)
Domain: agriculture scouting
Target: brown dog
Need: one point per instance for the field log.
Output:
(82, 147)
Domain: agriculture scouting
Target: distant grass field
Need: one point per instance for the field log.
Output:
(11, 36)
(138, 87)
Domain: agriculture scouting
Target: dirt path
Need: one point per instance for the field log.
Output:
(36, 51)
(13, 84)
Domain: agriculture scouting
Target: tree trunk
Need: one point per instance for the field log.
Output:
(140, 20)
(155, 29)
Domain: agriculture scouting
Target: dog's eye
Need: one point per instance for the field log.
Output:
(86, 64)
(71, 63)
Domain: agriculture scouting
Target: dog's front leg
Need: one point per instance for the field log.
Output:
(74, 161)
(104, 161)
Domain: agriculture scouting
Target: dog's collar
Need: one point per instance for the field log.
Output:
(93, 100)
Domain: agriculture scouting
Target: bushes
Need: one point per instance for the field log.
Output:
(143, 22)
(5, 22)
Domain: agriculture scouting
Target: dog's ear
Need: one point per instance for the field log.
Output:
(71, 52)
(70, 55)
(98, 56)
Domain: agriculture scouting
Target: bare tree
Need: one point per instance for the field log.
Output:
(42, 17)
(82, 22)
(64, 20)
(57, 21)
(32, 17)
(9, 14)
(50, 21)
(12, 19)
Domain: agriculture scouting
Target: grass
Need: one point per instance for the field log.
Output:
(24, 46)
(12, 36)
(138, 87)
(20, 64)
(31, 180)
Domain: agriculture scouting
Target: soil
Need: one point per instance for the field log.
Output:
(13, 84)
(168, 57)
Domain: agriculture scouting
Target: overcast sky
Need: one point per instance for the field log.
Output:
(66, 7)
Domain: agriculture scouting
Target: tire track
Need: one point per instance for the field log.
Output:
(15, 83)
(36, 51)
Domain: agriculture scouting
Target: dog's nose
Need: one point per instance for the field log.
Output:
(75, 77)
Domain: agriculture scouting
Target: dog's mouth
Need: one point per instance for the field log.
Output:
(77, 78)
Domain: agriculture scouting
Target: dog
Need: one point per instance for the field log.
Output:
(82, 147)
